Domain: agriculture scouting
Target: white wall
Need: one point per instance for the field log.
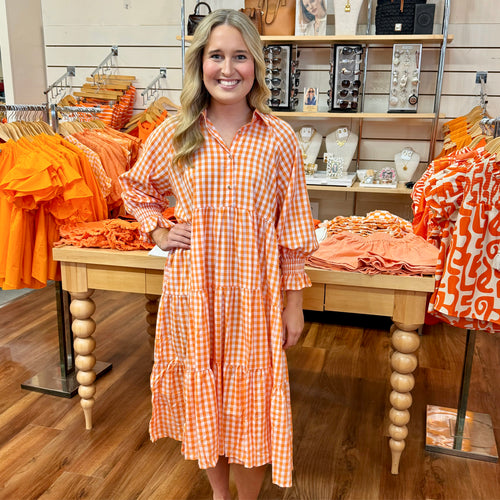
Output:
(146, 32)
(23, 54)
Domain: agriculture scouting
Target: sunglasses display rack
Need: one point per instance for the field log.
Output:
(282, 76)
(405, 78)
(345, 78)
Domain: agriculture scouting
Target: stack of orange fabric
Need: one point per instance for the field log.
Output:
(376, 221)
(378, 243)
(110, 233)
(44, 182)
(120, 234)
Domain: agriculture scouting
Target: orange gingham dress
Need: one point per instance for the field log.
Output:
(220, 378)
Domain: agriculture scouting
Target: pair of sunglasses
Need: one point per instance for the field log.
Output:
(345, 104)
(272, 49)
(345, 93)
(273, 81)
(274, 61)
(351, 50)
(347, 83)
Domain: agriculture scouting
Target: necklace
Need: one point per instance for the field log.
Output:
(406, 155)
(304, 145)
(347, 7)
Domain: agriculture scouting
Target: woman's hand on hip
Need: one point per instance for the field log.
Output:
(178, 236)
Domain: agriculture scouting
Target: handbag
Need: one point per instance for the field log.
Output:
(255, 13)
(279, 18)
(395, 17)
(195, 19)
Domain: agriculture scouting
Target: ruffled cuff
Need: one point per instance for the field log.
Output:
(152, 221)
(293, 276)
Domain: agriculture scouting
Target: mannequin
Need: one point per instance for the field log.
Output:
(346, 16)
(342, 143)
(406, 161)
(310, 143)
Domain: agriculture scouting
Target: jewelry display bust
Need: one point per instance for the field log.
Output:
(342, 143)
(346, 16)
(310, 143)
(406, 161)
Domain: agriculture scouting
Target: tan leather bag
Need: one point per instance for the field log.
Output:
(255, 15)
(278, 16)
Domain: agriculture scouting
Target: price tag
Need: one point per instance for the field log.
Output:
(406, 154)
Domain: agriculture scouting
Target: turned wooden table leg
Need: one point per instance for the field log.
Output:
(82, 307)
(152, 310)
(405, 341)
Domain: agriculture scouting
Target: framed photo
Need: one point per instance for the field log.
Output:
(310, 17)
(310, 99)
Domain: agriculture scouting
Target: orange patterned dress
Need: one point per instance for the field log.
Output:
(220, 378)
(465, 223)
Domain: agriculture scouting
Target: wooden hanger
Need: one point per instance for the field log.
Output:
(165, 100)
(493, 146)
(115, 77)
(104, 95)
(106, 84)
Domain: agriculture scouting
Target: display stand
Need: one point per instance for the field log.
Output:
(460, 432)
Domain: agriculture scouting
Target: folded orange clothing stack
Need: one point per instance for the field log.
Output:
(380, 242)
(109, 233)
(378, 252)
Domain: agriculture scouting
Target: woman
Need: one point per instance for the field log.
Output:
(310, 97)
(220, 380)
(311, 18)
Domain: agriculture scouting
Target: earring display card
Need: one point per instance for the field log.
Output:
(345, 78)
(405, 78)
(282, 76)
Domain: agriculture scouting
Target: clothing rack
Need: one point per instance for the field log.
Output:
(58, 381)
(55, 110)
(440, 77)
(153, 89)
(472, 432)
(481, 77)
(493, 124)
(55, 90)
(27, 108)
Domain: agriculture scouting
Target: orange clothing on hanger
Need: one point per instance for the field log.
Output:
(42, 180)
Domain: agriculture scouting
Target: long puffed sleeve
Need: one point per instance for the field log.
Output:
(147, 185)
(295, 226)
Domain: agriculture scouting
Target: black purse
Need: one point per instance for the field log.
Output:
(395, 17)
(195, 19)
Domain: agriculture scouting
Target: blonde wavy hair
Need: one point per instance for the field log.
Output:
(195, 98)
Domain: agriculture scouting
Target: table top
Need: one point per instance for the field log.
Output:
(141, 259)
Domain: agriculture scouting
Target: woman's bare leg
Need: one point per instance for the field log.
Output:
(248, 481)
(219, 479)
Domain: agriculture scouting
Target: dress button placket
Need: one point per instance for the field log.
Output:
(228, 181)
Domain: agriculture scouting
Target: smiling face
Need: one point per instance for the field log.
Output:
(228, 67)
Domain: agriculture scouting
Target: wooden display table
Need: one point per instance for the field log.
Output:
(403, 298)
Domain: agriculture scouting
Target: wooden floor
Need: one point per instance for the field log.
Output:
(339, 377)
